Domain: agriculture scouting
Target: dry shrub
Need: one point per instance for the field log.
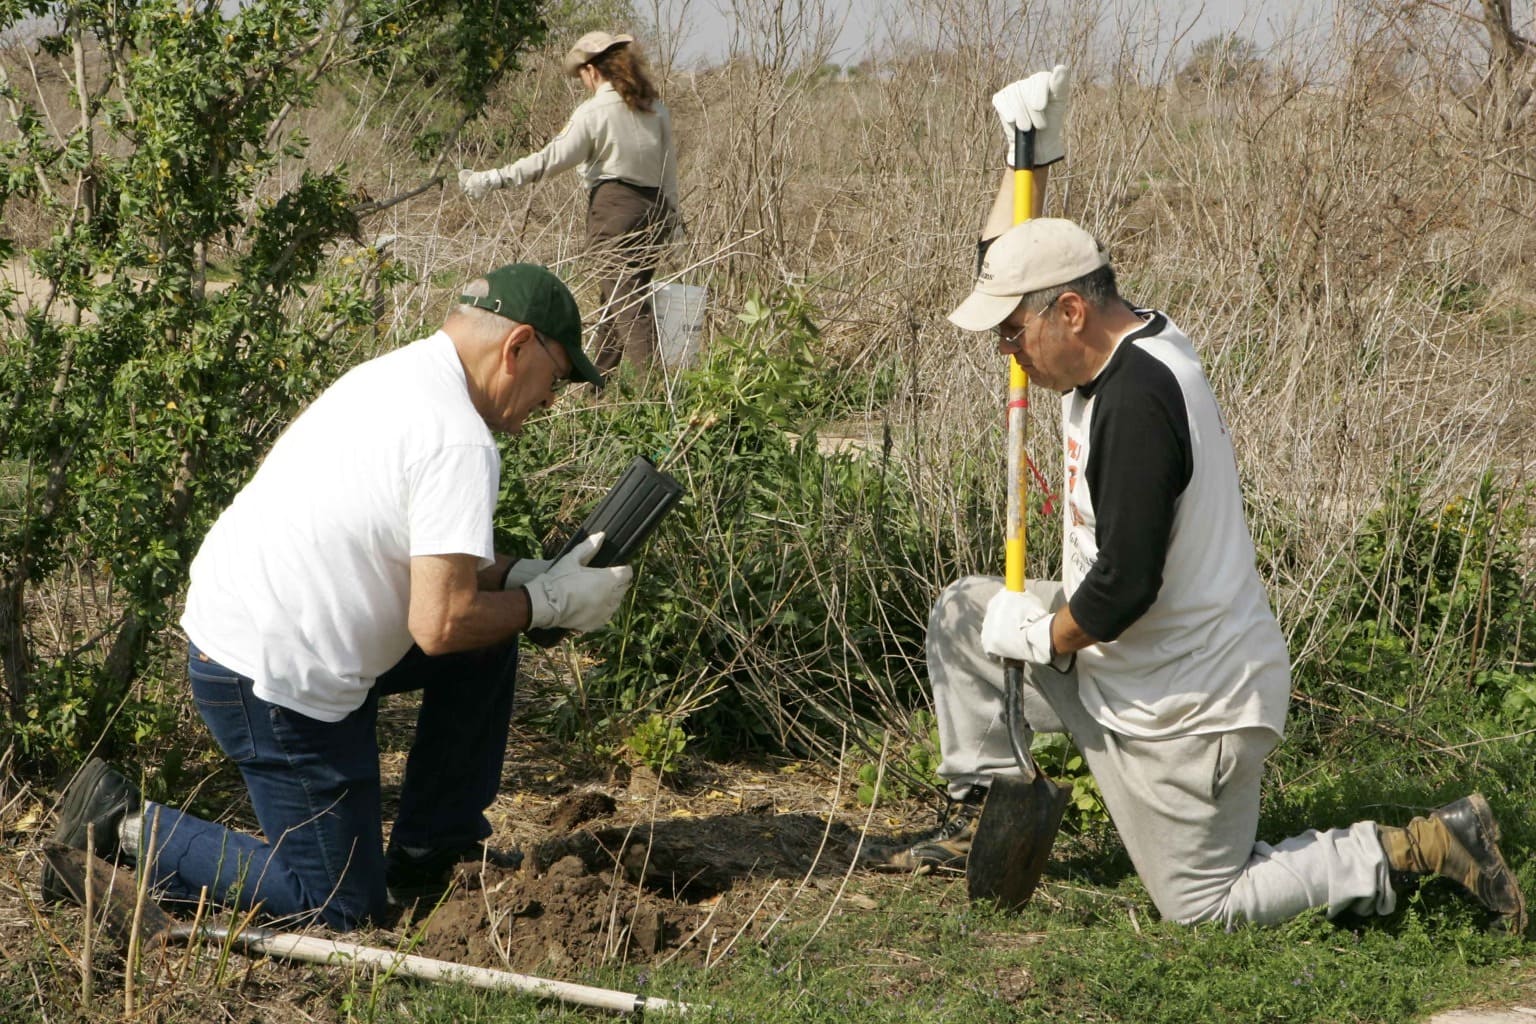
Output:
(1343, 234)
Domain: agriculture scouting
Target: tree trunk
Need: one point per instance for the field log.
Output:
(14, 668)
(1508, 89)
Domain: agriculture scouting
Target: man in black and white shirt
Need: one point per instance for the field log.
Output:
(1158, 652)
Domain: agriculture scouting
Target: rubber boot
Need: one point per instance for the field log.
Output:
(1460, 841)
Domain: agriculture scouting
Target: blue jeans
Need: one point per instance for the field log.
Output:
(315, 789)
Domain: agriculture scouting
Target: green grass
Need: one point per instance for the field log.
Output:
(929, 956)
(926, 955)
(1089, 948)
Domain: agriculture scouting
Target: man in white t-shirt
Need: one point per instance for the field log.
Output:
(356, 563)
(1157, 652)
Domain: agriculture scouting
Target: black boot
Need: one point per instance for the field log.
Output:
(411, 875)
(93, 806)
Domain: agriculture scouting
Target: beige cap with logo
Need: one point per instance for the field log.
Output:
(593, 44)
(1028, 257)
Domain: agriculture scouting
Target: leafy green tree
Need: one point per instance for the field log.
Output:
(189, 295)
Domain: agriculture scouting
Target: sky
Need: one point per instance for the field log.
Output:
(703, 32)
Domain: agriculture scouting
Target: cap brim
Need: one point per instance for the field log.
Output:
(982, 312)
(582, 368)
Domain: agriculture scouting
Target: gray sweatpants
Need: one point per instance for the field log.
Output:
(1187, 808)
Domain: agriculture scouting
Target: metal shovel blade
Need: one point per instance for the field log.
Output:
(1020, 818)
(1013, 839)
(112, 893)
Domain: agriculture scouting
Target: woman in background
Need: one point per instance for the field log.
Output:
(621, 141)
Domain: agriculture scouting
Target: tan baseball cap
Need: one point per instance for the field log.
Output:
(1028, 257)
(593, 44)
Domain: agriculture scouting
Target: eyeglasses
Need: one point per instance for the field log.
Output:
(1016, 338)
(561, 377)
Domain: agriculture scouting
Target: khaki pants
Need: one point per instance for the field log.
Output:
(625, 227)
(1187, 807)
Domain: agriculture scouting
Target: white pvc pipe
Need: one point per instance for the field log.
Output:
(328, 951)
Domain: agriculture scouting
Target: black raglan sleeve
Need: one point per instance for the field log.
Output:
(1140, 460)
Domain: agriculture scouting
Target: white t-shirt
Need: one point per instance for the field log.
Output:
(303, 584)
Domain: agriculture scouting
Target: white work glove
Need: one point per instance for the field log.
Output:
(1038, 102)
(572, 596)
(522, 570)
(479, 184)
(1018, 626)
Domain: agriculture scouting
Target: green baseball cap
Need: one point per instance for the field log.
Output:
(533, 295)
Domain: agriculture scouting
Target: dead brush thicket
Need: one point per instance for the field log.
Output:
(1345, 239)
(1343, 235)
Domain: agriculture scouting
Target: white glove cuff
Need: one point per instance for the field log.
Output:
(521, 571)
(1042, 159)
(542, 608)
(1037, 637)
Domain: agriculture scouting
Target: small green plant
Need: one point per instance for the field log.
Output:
(910, 769)
(1057, 757)
(659, 744)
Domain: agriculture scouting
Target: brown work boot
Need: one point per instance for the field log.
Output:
(1460, 841)
(944, 849)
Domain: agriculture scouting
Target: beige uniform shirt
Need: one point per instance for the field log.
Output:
(607, 140)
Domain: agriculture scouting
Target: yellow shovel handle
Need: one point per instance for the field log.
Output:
(1015, 547)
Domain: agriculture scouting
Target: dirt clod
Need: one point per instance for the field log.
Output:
(580, 808)
(643, 890)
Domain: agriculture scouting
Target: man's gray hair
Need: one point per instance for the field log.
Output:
(481, 321)
(1097, 287)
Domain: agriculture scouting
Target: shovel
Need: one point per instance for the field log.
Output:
(126, 916)
(1021, 816)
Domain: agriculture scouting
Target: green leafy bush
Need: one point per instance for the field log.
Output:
(912, 768)
(1421, 651)
(144, 382)
(1058, 758)
(1436, 607)
(788, 586)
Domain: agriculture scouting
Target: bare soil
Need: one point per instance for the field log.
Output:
(632, 879)
(618, 867)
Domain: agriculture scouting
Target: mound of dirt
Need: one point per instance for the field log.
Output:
(638, 892)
